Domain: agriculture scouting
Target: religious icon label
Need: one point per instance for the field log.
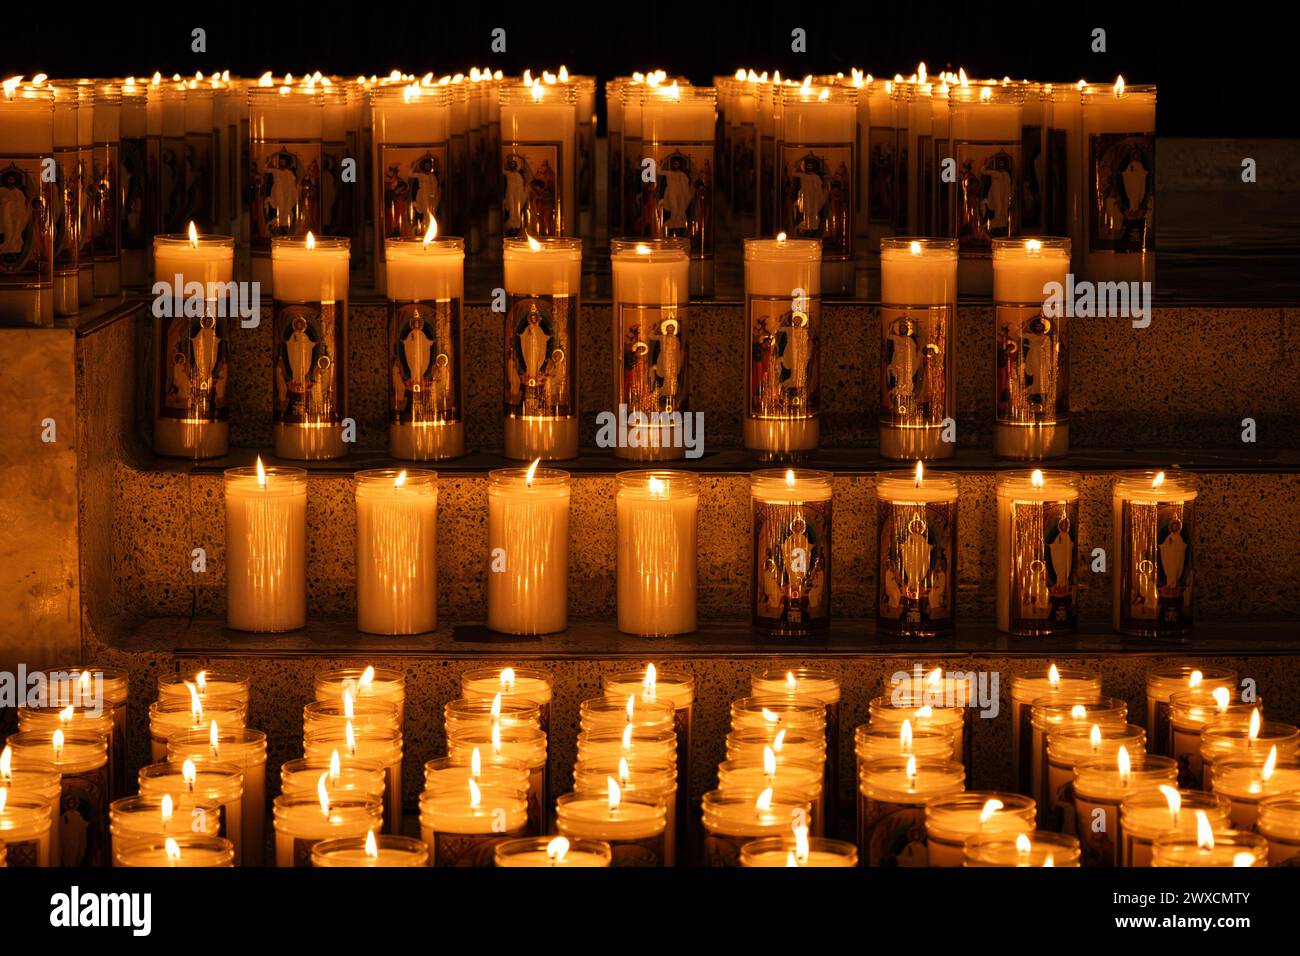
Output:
(171, 183)
(792, 565)
(1057, 186)
(678, 202)
(783, 377)
(1121, 184)
(105, 224)
(310, 377)
(336, 196)
(917, 387)
(541, 377)
(424, 361)
(83, 809)
(134, 177)
(199, 180)
(194, 369)
(66, 210)
(285, 178)
(654, 375)
(817, 195)
(1155, 569)
(987, 185)
(892, 834)
(414, 187)
(1044, 549)
(1032, 365)
(649, 851)
(918, 563)
(882, 170)
(468, 849)
(26, 244)
(534, 202)
(1032, 210)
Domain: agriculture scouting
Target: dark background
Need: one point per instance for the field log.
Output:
(1221, 71)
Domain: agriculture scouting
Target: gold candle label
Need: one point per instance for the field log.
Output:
(105, 221)
(783, 375)
(791, 565)
(200, 182)
(918, 566)
(988, 180)
(654, 378)
(1155, 597)
(65, 212)
(457, 204)
(892, 834)
(310, 371)
(468, 849)
(284, 190)
(533, 200)
(882, 168)
(678, 202)
(26, 242)
(85, 190)
(817, 191)
(648, 851)
(586, 166)
(193, 370)
(424, 358)
(133, 158)
(1044, 557)
(1121, 187)
(1032, 365)
(25, 853)
(83, 817)
(541, 377)
(682, 724)
(414, 187)
(1187, 753)
(917, 386)
(927, 208)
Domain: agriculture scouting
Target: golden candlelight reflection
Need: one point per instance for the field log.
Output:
(172, 849)
(323, 795)
(167, 809)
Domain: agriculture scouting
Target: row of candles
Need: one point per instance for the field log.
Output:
(656, 516)
(1206, 782)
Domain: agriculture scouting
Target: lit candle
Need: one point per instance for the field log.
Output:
(538, 143)
(1100, 786)
(634, 824)
(172, 715)
(370, 851)
(1057, 712)
(749, 744)
(462, 828)
(1154, 532)
(304, 820)
(490, 771)
(800, 683)
(734, 818)
(92, 719)
(1038, 545)
(652, 779)
(527, 745)
(1149, 814)
(1234, 736)
(266, 547)
(916, 526)
(24, 829)
(923, 712)
(656, 522)
(788, 776)
(1119, 170)
(207, 781)
(397, 567)
(951, 821)
(207, 684)
(798, 850)
(347, 774)
(481, 714)
(630, 741)
(782, 345)
(27, 132)
(106, 202)
(245, 749)
(1166, 680)
(651, 305)
(1025, 690)
(1069, 744)
(36, 779)
(523, 683)
(132, 820)
(179, 849)
(894, 792)
(1064, 179)
(1279, 822)
(374, 743)
(791, 559)
(1032, 369)
(918, 384)
(81, 759)
(96, 686)
(552, 852)
(1192, 710)
(1246, 779)
(66, 212)
(1210, 847)
(528, 550)
(872, 741)
(1039, 848)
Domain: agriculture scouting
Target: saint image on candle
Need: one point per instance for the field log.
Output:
(917, 529)
(1153, 519)
(791, 562)
(1038, 534)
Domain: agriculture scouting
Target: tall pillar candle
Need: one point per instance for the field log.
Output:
(655, 513)
(918, 383)
(916, 528)
(266, 548)
(27, 247)
(1031, 348)
(1119, 174)
(790, 564)
(1025, 690)
(1100, 787)
(782, 346)
(1168, 679)
(542, 283)
(1154, 535)
(538, 159)
(528, 550)
(397, 551)
(651, 374)
(1038, 545)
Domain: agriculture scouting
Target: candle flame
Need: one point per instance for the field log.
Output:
(1078, 712)
(986, 94)
(789, 477)
(1119, 85)
(475, 794)
(1049, 860)
(1033, 245)
(779, 740)
(167, 808)
(642, 249)
(349, 704)
(802, 846)
(495, 710)
(10, 85)
(1124, 765)
(1270, 765)
(323, 794)
(336, 766)
(557, 849)
(1023, 844)
(194, 235)
(532, 472)
(925, 712)
(911, 771)
(914, 248)
(496, 737)
(1156, 482)
(172, 849)
(367, 676)
(989, 809)
(615, 793)
(764, 802)
(627, 737)
(214, 739)
(1204, 831)
(631, 706)
(1244, 858)
(1036, 479)
(4, 798)
(201, 681)
(1173, 798)
(7, 764)
(475, 763)
(196, 703)
(58, 744)
(261, 473)
(780, 237)
(624, 771)
(657, 487)
(905, 737)
(648, 685)
(1094, 737)
(1253, 733)
(189, 773)
(372, 846)
(311, 240)
(771, 716)
(508, 679)
(920, 473)
(769, 761)
(790, 681)
(1053, 676)
(84, 682)
(538, 91)
(350, 736)
(66, 714)
(790, 860)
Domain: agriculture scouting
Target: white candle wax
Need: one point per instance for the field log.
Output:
(386, 851)
(1246, 780)
(266, 546)
(1146, 815)
(547, 851)
(528, 550)
(461, 828)
(950, 821)
(213, 782)
(397, 566)
(656, 522)
(635, 828)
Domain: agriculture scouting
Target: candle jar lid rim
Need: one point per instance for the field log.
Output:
(384, 841)
(340, 675)
(667, 248)
(674, 678)
(442, 245)
(1017, 247)
(205, 240)
(286, 473)
(415, 477)
(935, 246)
(178, 679)
(534, 844)
(543, 477)
(630, 795)
(486, 760)
(1189, 800)
(1012, 803)
(365, 765)
(809, 250)
(1141, 765)
(568, 244)
(320, 243)
(228, 703)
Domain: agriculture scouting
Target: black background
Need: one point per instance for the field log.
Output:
(1221, 71)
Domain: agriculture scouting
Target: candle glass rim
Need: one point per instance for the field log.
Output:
(242, 680)
(260, 96)
(176, 240)
(436, 95)
(323, 709)
(383, 675)
(145, 802)
(813, 771)
(26, 800)
(884, 704)
(787, 844)
(658, 93)
(718, 798)
(1179, 672)
(934, 764)
(367, 733)
(457, 762)
(1063, 673)
(678, 679)
(338, 800)
(106, 675)
(755, 736)
(1007, 247)
(1191, 701)
(642, 734)
(516, 733)
(513, 92)
(1250, 759)
(813, 477)
(235, 736)
(71, 738)
(1189, 800)
(407, 846)
(1130, 732)
(289, 474)
(813, 708)
(218, 703)
(534, 844)
(475, 674)
(839, 94)
(512, 705)
(868, 730)
(80, 713)
(1012, 803)
(320, 243)
(443, 246)
(796, 250)
(518, 799)
(664, 249)
(933, 247)
(1232, 726)
(1138, 481)
(1108, 89)
(801, 673)
(1281, 802)
(1013, 480)
(636, 764)
(1142, 765)
(1052, 704)
(378, 477)
(906, 479)
(981, 846)
(364, 765)
(972, 95)
(556, 244)
(678, 483)
(642, 797)
(543, 477)
(1226, 837)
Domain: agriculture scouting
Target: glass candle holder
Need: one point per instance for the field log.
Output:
(871, 741)
(550, 851)
(1032, 348)
(1279, 823)
(309, 334)
(736, 817)
(86, 720)
(1149, 814)
(27, 115)
(612, 743)
(782, 359)
(1229, 848)
(656, 515)
(285, 137)
(375, 743)
(633, 823)
(894, 792)
(105, 188)
(303, 820)
(1038, 552)
(527, 745)
(1154, 532)
(916, 527)
(617, 712)
(1232, 736)
(538, 144)
(266, 548)
(955, 690)
(176, 715)
(359, 775)
(372, 712)
(951, 821)
(651, 372)
(1064, 171)
(426, 352)
(1038, 848)
(918, 383)
(923, 713)
(372, 850)
(1246, 779)
(469, 715)
(380, 683)
(528, 550)
(209, 685)
(81, 759)
(524, 683)
(543, 284)
(136, 819)
(207, 781)
(489, 772)
(40, 780)
(1190, 711)
(1068, 745)
(245, 749)
(1100, 786)
(67, 194)
(790, 566)
(789, 851)
(191, 384)
(804, 682)
(99, 687)
(462, 828)
(1025, 690)
(653, 779)
(397, 551)
(788, 776)
(1119, 175)
(25, 828)
(750, 745)
(1055, 712)
(180, 849)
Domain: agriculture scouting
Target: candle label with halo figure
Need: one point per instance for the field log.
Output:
(200, 147)
(892, 834)
(1059, 797)
(193, 386)
(133, 155)
(792, 565)
(784, 374)
(336, 196)
(105, 223)
(987, 185)
(654, 358)
(541, 376)
(85, 190)
(414, 187)
(1097, 828)
(1045, 549)
(533, 201)
(468, 849)
(1156, 569)
(24, 853)
(285, 181)
(882, 165)
(309, 338)
(917, 566)
(916, 352)
(423, 339)
(1121, 192)
(678, 202)
(26, 243)
(817, 191)
(586, 177)
(83, 817)
(1032, 366)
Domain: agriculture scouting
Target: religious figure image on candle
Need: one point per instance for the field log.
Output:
(63, 212)
(917, 565)
(286, 190)
(817, 195)
(678, 202)
(893, 835)
(654, 359)
(784, 378)
(540, 376)
(791, 569)
(424, 383)
(916, 366)
(882, 169)
(198, 180)
(1031, 188)
(533, 203)
(1057, 185)
(1156, 569)
(1121, 187)
(1032, 366)
(22, 217)
(135, 184)
(104, 201)
(1045, 564)
(83, 806)
(307, 338)
(744, 180)
(336, 197)
(767, 179)
(172, 183)
(987, 192)
(193, 387)
(414, 187)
